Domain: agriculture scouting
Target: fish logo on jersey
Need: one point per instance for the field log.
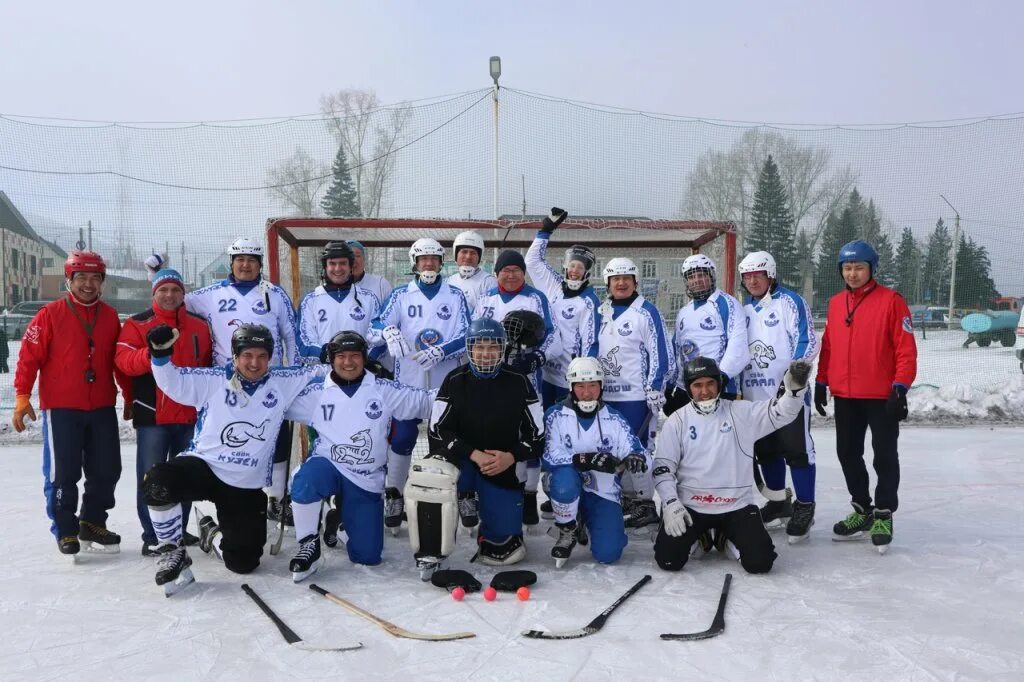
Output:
(772, 320)
(428, 337)
(357, 314)
(270, 400)
(238, 434)
(761, 353)
(568, 313)
(373, 409)
(610, 364)
(707, 323)
(625, 329)
(356, 453)
(689, 350)
(260, 308)
(444, 312)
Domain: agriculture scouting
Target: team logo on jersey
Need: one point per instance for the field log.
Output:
(726, 428)
(689, 350)
(357, 314)
(428, 337)
(355, 453)
(611, 366)
(606, 444)
(260, 308)
(761, 353)
(625, 329)
(907, 326)
(270, 400)
(374, 409)
(772, 320)
(444, 312)
(707, 323)
(568, 442)
(568, 313)
(238, 434)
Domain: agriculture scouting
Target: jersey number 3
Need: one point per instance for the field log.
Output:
(693, 433)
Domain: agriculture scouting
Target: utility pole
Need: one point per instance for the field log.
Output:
(495, 69)
(952, 274)
(524, 196)
(90, 235)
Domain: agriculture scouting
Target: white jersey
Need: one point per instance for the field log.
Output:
(474, 287)
(609, 432)
(438, 320)
(236, 430)
(779, 330)
(575, 318)
(705, 461)
(496, 304)
(323, 313)
(633, 350)
(352, 431)
(380, 287)
(225, 305)
(716, 329)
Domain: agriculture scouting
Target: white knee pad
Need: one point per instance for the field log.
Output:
(431, 489)
(280, 473)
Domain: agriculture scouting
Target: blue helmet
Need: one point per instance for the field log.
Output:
(485, 329)
(859, 251)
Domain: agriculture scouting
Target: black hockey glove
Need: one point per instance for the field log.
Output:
(527, 363)
(820, 398)
(552, 221)
(896, 405)
(635, 463)
(375, 368)
(675, 399)
(161, 341)
(595, 461)
(510, 581)
(450, 579)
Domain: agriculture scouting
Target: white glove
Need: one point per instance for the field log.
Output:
(676, 518)
(429, 356)
(655, 401)
(397, 345)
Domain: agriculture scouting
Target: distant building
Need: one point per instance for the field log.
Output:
(53, 271)
(215, 271)
(21, 256)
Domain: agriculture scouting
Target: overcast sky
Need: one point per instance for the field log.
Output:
(818, 62)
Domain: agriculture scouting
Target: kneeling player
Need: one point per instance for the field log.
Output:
(485, 419)
(351, 411)
(703, 470)
(588, 447)
(230, 458)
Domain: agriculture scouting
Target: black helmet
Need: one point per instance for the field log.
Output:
(346, 341)
(248, 336)
(523, 329)
(334, 250)
(699, 368)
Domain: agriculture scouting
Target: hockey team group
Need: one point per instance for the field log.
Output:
(520, 386)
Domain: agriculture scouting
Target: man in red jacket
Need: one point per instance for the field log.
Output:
(163, 427)
(868, 361)
(70, 345)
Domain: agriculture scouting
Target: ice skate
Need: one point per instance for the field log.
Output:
(800, 522)
(428, 565)
(640, 517)
(853, 526)
(775, 514)
(174, 571)
(530, 516)
(546, 511)
(307, 560)
(394, 508)
(565, 542)
(469, 511)
(881, 530)
(702, 546)
(70, 546)
(276, 508)
(208, 533)
(332, 522)
(97, 539)
(725, 546)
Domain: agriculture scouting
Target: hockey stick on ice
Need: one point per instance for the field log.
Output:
(594, 625)
(389, 627)
(289, 634)
(717, 625)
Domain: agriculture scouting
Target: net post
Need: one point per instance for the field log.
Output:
(730, 257)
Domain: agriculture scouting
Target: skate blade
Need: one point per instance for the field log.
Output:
(471, 531)
(533, 529)
(547, 516)
(395, 532)
(882, 549)
(849, 538)
(184, 579)
(560, 562)
(97, 548)
(776, 524)
(331, 543)
(795, 539)
(299, 576)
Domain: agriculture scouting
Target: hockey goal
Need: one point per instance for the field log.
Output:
(658, 248)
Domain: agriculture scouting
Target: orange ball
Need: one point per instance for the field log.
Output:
(523, 593)
(458, 594)
(490, 594)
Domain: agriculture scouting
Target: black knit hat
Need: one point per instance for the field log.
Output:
(509, 257)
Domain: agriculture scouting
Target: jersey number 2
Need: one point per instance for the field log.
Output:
(227, 305)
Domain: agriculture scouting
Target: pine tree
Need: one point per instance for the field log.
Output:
(974, 285)
(341, 200)
(772, 228)
(908, 267)
(937, 266)
(839, 230)
(803, 245)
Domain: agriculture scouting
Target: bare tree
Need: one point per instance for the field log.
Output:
(298, 181)
(370, 135)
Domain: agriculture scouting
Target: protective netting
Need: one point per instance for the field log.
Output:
(189, 189)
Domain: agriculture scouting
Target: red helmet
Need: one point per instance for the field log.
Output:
(84, 261)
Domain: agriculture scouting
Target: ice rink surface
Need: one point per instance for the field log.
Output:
(946, 602)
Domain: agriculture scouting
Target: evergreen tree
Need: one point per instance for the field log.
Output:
(974, 285)
(839, 230)
(935, 277)
(886, 260)
(772, 228)
(908, 264)
(341, 200)
(803, 245)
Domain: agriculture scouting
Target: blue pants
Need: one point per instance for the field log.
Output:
(158, 444)
(77, 441)
(501, 509)
(362, 511)
(403, 435)
(602, 517)
(635, 413)
(774, 472)
(551, 394)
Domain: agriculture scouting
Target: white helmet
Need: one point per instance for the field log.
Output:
(758, 261)
(244, 246)
(472, 240)
(581, 370)
(619, 266)
(425, 246)
(698, 262)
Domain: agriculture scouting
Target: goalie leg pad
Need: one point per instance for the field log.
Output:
(432, 506)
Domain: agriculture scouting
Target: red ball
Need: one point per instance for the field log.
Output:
(490, 594)
(523, 593)
(458, 594)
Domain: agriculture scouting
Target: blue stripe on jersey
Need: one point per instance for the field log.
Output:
(661, 358)
(804, 341)
(593, 349)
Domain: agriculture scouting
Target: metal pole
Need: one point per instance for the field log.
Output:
(952, 274)
(496, 214)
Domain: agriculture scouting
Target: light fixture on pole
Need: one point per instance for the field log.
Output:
(495, 70)
(952, 274)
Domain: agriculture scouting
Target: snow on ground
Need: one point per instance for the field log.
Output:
(946, 602)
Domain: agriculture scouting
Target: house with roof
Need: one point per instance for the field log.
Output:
(53, 271)
(21, 257)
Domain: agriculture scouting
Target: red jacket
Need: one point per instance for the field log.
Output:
(868, 344)
(192, 349)
(56, 347)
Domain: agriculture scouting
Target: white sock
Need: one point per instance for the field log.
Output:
(167, 523)
(565, 511)
(398, 470)
(307, 518)
(276, 488)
